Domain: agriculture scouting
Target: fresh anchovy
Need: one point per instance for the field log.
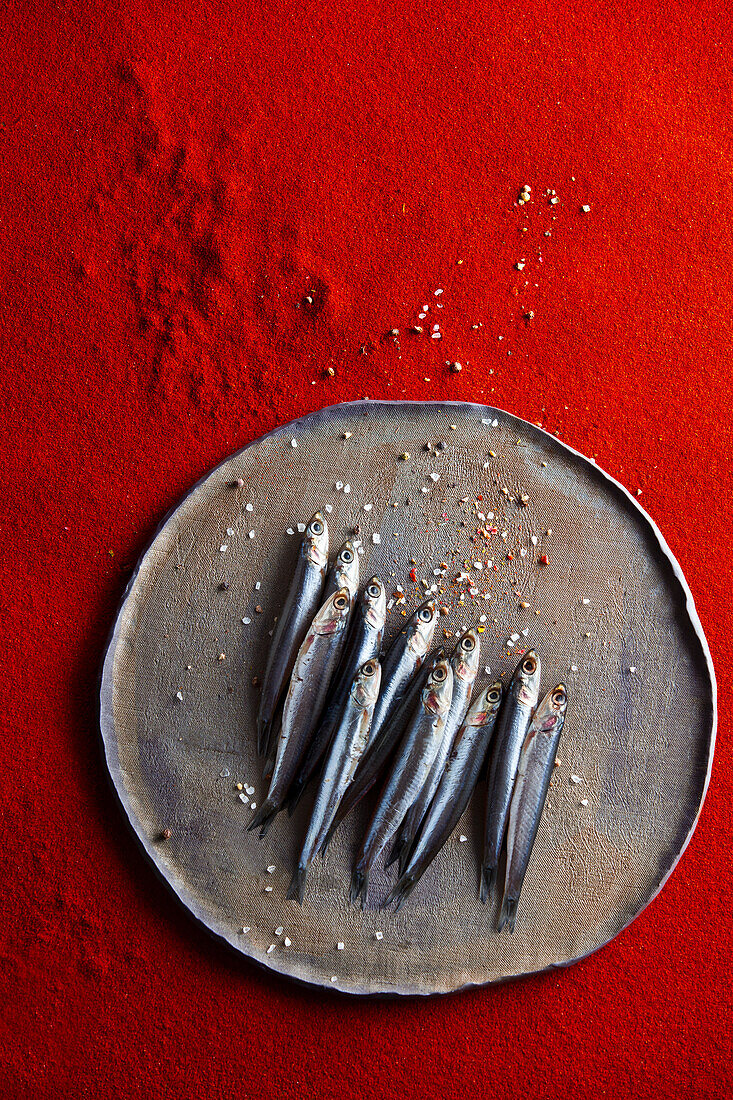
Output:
(364, 641)
(536, 765)
(404, 658)
(344, 573)
(348, 744)
(408, 774)
(457, 783)
(464, 662)
(511, 730)
(376, 758)
(317, 658)
(302, 601)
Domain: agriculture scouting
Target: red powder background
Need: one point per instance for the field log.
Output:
(174, 180)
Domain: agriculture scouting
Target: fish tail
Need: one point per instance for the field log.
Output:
(508, 914)
(488, 874)
(296, 889)
(263, 736)
(264, 817)
(269, 767)
(359, 884)
(294, 796)
(397, 851)
(400, 891)
(329, 837)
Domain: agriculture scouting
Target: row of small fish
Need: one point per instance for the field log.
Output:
(350, 719)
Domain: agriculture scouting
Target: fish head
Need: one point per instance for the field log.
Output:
(421, 629)
(486, 706)
(315, 541)
(466, 656)
(550, 714)
(525, 683)
(346, 568)
(365, 688)
(374, 602)
(438, 691)
(332, 617)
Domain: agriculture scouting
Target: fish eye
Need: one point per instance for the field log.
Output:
(493, 696)
(425, 614)
(340, 603)
(369, 669)
(529, 664)
(468, 643)
(317, 527)
(440, 674)
(347, 556)
(374, 590)
(558, 697)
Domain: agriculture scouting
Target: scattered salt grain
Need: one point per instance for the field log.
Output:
(245, 929)
(301, 528)
(376, 539)
(268, 889)
(633, 668)
(329, 508)
(271, 869)
(368, 507)
(287, 941)
(573, 668)
(243, 797)
(339, 947)
(251, 534)
(378, 935)
(462, 839)
(438, 293)
(179, 695)
(293, 443)
(270, 949)
(534, 540)
(246, 620)
(253, 805)
(347, 488)
(248, 507)
(339, 485)
(584, 802)
(223, 548)
(575, 779)
(279, 931)
(230, 531)
(290, 531)
(585, 209)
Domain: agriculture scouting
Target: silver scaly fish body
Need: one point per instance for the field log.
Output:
(408, 773)
(348, 744)
(363, 643)
(301, 603)
(457, 783)
(314, 666)
(404, 658)
(511, 730)
(536, 765)
(344, 573)
(464, 662)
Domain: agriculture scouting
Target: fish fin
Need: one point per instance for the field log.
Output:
(263, 736)
(488, 874)
(359, 884)
(264, 817)
(296, 889)
(508, 914)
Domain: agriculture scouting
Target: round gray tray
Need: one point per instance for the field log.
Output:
(615, 621)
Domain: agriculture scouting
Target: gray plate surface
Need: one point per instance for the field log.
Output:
(178, 705)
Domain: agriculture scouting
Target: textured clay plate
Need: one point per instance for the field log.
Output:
(610, 615)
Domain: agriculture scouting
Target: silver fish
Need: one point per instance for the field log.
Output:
(344, 573)
(301, 603)
(378, 756)
(317, 658)
(511, 730)
(457, 784)
(536, 765)
(464, 662)
(363, 643)
(410, 771)
(348, 744)
(403, 659)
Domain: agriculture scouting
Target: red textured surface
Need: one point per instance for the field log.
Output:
(174, 179)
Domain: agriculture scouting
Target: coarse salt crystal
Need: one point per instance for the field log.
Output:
(253, 805)
(243, 797)
(258, 585)
(523, 553)
(585, 209)
(293, 443)
(584, 802)
(251, 534)
(376, 539)
(329, 508)
(230, 530)
(246, 620)
(339, 947)
(368, 507)
(301, 528)
(287, 941)
(270, 949)
(223, 548)
(339, 485)
(575, 779)
(462, 839)
(279, 931)
(573, 668)
(525, 632)
(534, 540)
(268, 889)
(434, 477)
(245, 929)
(510, 645)
(633, 668)
(347, 488)
(378, 935)
(514, 637)
(438, 293)
(482, 618)
(290, 531)
(586, 601)
(271, 869)
(334, 977)
(248, 507)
